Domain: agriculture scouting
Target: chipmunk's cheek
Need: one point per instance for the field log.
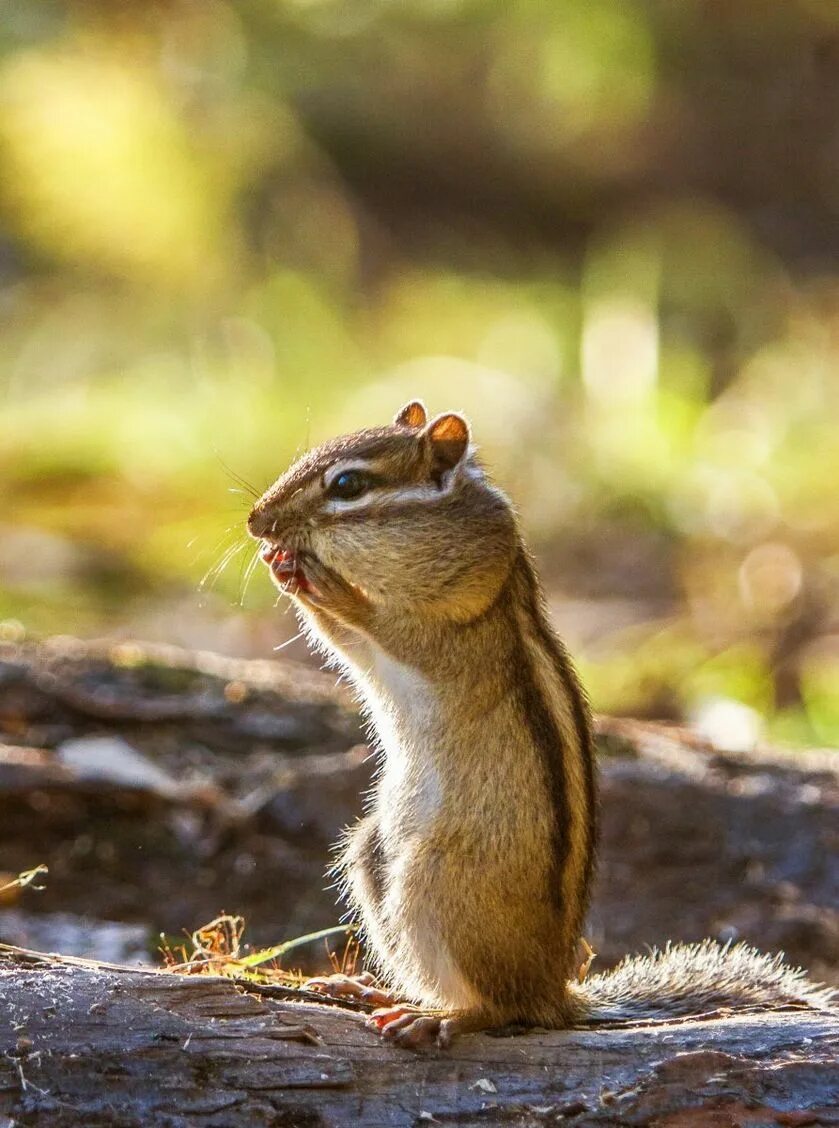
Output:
(337, 565)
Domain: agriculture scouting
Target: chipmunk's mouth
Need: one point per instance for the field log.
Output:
(286, 568)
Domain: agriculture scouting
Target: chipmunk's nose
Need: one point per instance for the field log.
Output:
(260, 521)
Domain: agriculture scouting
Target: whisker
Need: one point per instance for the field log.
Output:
(209, 581)
(202, 550)
(283, 645)
(249, 571)
(220, 540)
(244, 567)
(243, 493)
(251, 489)
(225, 554)
(215, 570)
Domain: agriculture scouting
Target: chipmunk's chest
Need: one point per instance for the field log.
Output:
(403, 703)
(406, 713)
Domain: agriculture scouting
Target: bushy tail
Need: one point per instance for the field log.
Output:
(693, 979)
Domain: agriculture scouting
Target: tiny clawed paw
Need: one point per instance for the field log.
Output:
(423, 1031)
(384, 1016)
(321, 582)
(408, 1027)
(362, 987)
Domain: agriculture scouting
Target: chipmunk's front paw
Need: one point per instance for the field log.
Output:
(362, 987)
(326, 590)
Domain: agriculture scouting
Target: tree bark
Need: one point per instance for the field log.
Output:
(87, 1044)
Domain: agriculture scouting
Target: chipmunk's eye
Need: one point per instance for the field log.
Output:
(349, 484)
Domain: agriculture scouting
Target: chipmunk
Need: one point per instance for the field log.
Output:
(471, 872)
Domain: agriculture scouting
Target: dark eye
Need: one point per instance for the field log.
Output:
(349, 484)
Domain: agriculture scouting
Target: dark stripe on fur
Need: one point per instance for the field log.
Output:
(580, 712)
(546, 736)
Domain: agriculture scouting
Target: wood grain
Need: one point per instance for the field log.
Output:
(86, 1045)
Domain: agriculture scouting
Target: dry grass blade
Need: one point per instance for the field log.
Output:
(25, 879)
(217, 949)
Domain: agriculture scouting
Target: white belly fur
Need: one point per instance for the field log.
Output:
(409, 798)
(403, 706)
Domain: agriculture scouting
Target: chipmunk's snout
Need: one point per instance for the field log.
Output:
(260, 521)
(266, 522)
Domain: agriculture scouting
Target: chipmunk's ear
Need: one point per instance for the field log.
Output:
(449, 438)
(412, 415)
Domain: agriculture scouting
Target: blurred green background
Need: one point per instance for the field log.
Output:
(606, 229)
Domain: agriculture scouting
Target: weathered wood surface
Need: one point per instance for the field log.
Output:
(696, 841)
(88, 1046)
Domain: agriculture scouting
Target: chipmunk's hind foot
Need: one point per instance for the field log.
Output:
(415, 1029)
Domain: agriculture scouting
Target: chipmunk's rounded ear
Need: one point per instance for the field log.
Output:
(449, 438)
(412, 415)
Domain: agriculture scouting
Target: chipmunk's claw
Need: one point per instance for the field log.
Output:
(411, 1028)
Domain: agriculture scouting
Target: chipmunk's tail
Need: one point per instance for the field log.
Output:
(694, 979)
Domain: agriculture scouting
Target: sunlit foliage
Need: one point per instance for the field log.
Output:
(605, 230)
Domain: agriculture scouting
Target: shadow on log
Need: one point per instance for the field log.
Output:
(94, 1045)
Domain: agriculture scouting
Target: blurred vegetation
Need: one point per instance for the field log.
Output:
(606, 229)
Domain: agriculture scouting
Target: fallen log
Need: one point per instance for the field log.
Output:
(87, 1045)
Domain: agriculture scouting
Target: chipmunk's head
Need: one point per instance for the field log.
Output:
(403, 513)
